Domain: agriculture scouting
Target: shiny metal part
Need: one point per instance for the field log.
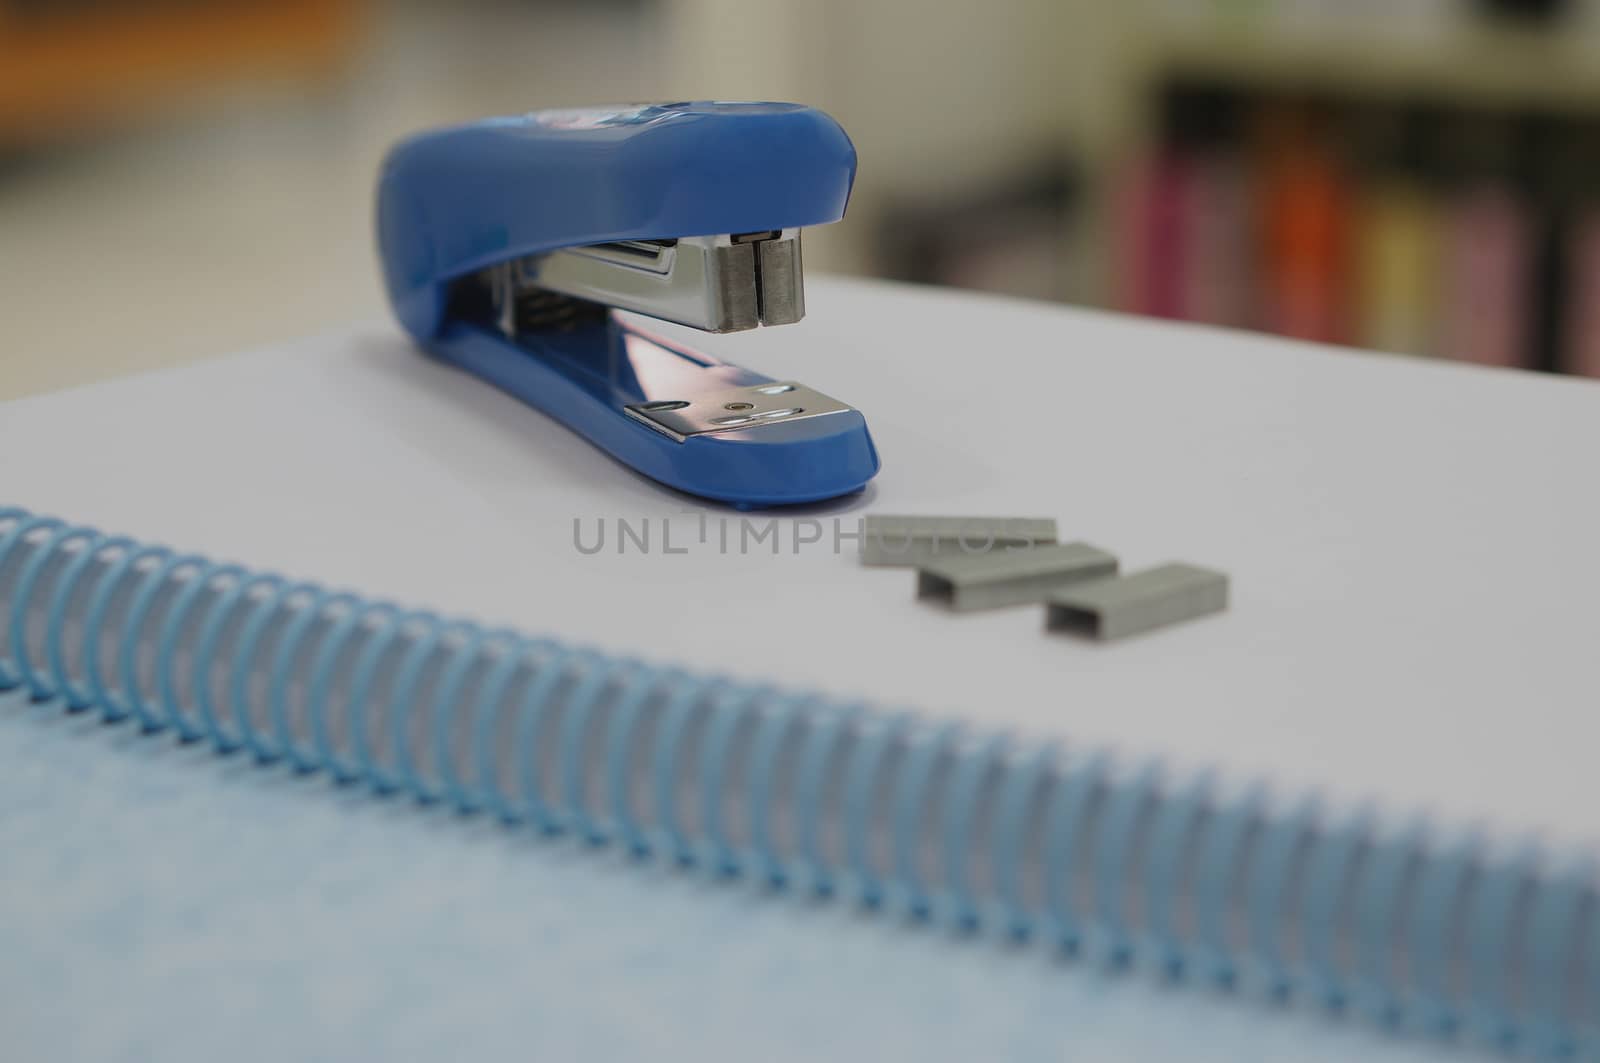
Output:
(1003, 576)
(779, 283)
(1144, 601)
(724, 283)
(734, 408)
(916, 541)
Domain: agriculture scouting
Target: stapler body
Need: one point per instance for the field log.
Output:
(509, 244)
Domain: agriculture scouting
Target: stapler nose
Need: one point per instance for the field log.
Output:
(723, 283)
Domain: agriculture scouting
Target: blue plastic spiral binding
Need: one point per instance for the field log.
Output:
(1125, 865)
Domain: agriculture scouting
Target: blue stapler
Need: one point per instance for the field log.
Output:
(507, 244)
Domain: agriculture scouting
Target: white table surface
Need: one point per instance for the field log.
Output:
(1412, 545)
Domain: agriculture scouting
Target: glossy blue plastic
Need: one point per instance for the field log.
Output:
(455, 201)
(584, 378)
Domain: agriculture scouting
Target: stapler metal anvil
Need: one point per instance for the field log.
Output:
(508, 244)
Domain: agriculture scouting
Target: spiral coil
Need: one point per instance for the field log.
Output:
(1126, 865)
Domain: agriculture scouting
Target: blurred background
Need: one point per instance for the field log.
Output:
(180, 178)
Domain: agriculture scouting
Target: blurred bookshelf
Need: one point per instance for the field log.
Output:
(1422, 179)
(1486, 64)
(1402, 175)
(1416, 176)
(1514, 51)
(70, 66)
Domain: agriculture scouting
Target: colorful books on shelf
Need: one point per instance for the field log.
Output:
(1406, 226)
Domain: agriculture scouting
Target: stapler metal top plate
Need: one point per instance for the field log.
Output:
(507, 245)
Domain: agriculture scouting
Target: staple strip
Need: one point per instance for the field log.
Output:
(915, 541)
(1011, 576)
(1130, 605)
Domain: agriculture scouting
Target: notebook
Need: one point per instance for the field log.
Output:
(762, 801)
